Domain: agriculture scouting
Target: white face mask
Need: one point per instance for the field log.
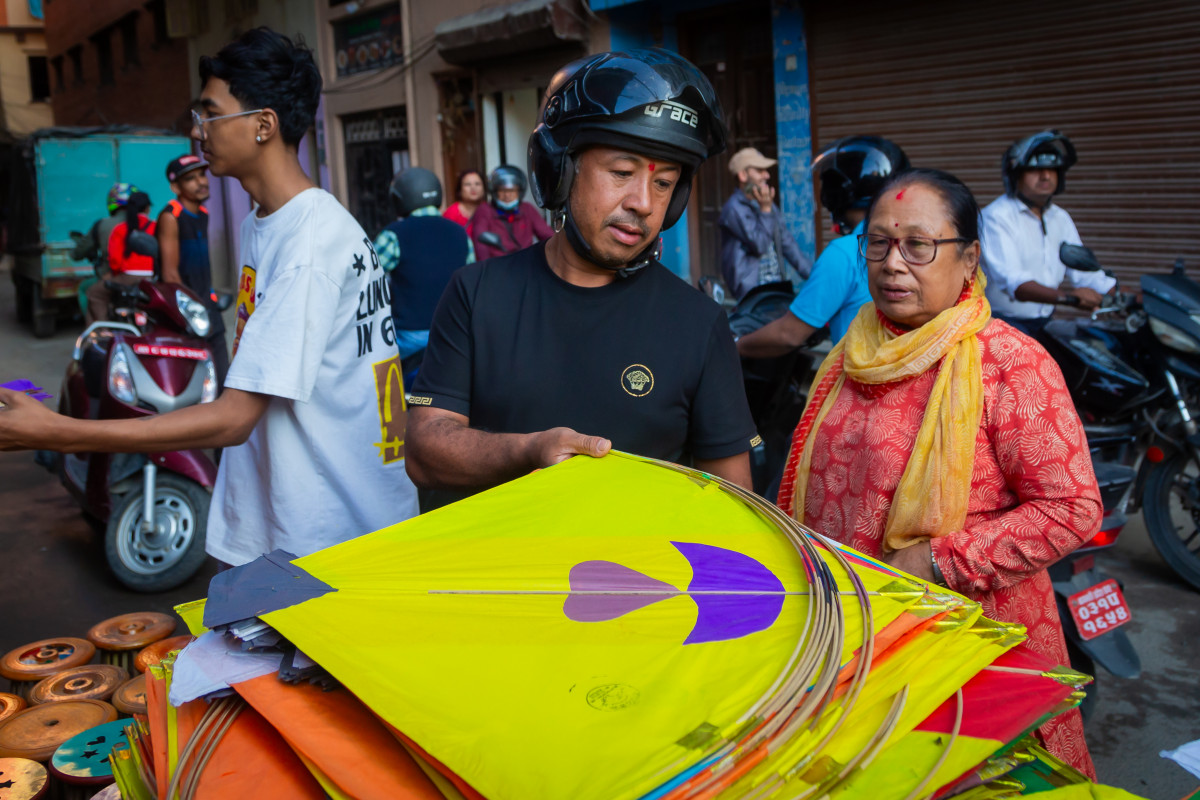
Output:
(510, 205)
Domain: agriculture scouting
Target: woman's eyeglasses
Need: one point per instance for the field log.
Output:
(916, 250)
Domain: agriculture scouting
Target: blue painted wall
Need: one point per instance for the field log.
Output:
(792, 122)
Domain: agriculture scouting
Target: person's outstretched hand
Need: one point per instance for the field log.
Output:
(558, 444)
(24, 422)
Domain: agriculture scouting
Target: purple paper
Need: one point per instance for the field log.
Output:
(28, 387)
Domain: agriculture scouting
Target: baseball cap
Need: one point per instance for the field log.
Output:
(749, 157)
(183, 165)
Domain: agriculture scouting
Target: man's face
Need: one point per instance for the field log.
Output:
(508, 194)
(1039, 185)
(618, 201)
(192, 186)
(755, 175)
(228, 144)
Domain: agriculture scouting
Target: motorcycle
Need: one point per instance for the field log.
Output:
(776, 388)
(150, 357)
(1135, 376)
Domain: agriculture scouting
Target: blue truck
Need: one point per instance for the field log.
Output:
(60, 179)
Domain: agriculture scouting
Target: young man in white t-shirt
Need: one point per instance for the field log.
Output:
(313, 409)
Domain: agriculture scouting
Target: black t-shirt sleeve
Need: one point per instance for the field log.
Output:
(720, 425)
(444, 379)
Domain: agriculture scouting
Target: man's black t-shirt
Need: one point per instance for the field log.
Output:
(646, 361)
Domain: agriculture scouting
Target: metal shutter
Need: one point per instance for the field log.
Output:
(955, 83)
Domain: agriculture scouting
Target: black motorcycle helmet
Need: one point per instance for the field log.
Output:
(852, 169)
(414, 188)
(507, 176)
(653, 102)
(1045, 150)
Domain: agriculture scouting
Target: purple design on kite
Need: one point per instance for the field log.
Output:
(731, 616)
(27, 387)
(608, 576)
(719, 617)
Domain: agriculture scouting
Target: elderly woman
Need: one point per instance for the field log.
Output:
(944, 441)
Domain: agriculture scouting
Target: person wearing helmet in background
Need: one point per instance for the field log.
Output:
(93, 247)
(850, 171)
(419, 251)
(1022, 232)
(507, 223)
(586, 342)
(756, 247)
(182, 233)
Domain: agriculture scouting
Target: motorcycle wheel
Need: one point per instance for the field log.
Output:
(1172, 513)
(174, 551)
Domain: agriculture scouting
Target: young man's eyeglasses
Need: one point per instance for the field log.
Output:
(198, 122)
(916, 250)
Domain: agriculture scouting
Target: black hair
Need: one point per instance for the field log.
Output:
(265, 69)
(463, 176)
(138, 203)
(961, 205)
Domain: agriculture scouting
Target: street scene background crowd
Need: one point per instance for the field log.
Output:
(391, 355)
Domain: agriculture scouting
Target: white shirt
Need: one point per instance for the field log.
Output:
(325, 463)
(1018, 247)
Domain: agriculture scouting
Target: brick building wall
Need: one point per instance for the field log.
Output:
(113, 63)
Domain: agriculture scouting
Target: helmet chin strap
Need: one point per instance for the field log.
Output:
(564, 222)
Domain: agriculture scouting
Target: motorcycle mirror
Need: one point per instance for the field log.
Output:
(1076, 256)
(490, 238)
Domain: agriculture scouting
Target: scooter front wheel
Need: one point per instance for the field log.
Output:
(173, 551)
(1172, 512)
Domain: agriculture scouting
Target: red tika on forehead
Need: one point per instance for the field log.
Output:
(900, 194)
(652, 166)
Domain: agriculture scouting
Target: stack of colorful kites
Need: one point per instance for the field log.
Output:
(607, 628)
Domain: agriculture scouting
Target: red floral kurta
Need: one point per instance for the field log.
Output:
(1033, 493)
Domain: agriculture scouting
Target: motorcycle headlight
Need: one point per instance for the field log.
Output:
(1173, 337)
(208, 392)
(194, 312)
(120, 378)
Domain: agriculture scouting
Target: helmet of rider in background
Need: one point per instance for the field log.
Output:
(851, 170)
(413, 188)
(118, 196)
(651, 102)
(506, 176)
(1048, 149)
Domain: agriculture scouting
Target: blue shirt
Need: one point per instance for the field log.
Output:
(836, 289)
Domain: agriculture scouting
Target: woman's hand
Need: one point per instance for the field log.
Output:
(915, 560)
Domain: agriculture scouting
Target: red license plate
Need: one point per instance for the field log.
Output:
(1099, 609)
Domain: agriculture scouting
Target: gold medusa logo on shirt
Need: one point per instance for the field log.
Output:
(637, 380)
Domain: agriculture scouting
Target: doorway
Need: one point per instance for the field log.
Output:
(732, 46)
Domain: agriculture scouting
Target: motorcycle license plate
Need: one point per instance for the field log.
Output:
(1098, 609)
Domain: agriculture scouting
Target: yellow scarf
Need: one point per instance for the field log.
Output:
(931, 499)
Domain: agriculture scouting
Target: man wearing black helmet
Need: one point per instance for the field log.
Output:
(419, 251)
(850, 171)
(1022, 232)
(586, 342)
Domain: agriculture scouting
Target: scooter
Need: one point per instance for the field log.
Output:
(149, 358)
